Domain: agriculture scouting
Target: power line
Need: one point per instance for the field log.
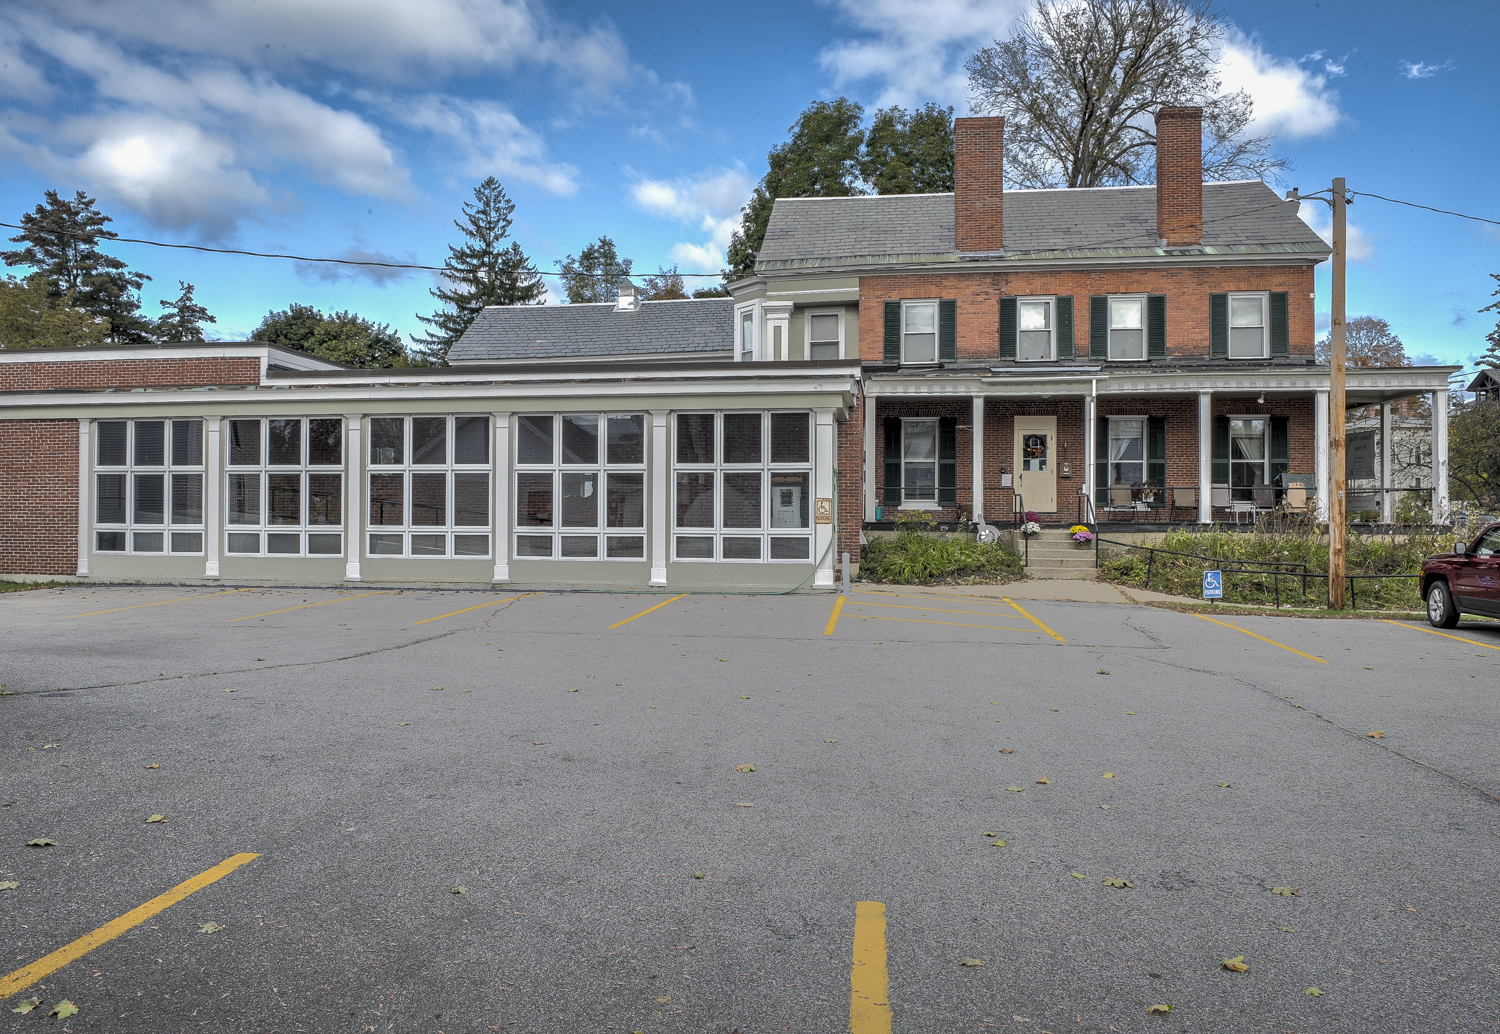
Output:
(1428, 208)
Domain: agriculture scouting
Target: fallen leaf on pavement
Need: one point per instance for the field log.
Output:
(403, 723)
(41, 842)
(744, 698)
(830, 741)
(1109, 775)
(1116, 881)
(156, 818)
(153, 765)
(744, 768)
(1130, 712)
(1224, 785)
(1104, 807)
(991, 834)
(1006, 750)
(437, 689)
(460, 890)
(1015, 789)
(745, 804)
(1159, 1010)
(1101, 671)
(1235, 965)
(1315, 992)
(972, 962)
(8, 884)
(1057, 709)
(572, 691)
(697, 876)
(1286, 929)
(63, 1009)
(997, 843)
(1286, 892)
(209, 927)
(1045, 781)
(1078, 875)
(28, 1005)
(50, 746)
(1378, 734)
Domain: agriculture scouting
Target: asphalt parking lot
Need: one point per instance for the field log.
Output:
(572, 763)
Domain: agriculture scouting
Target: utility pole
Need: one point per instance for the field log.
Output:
(1336, 405)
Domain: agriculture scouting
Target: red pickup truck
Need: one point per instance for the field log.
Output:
(1465, 581)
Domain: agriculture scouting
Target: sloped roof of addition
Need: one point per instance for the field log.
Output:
(689, 326)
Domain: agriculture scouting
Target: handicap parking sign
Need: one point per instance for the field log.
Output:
(1213, 585)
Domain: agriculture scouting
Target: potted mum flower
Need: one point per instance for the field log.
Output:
(1081, 534)
(1031, 528)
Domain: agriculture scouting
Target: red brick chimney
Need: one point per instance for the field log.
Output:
(1179, 176)
(978, 182)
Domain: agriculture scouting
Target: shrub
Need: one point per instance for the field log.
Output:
(916, 558)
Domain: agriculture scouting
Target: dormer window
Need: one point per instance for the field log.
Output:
(747, 335)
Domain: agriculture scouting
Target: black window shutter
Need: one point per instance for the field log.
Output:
(948, 331)
(1098, 327)
(1156, 451)
(1101, 462)
(893, 332)
(1281, 342)
(892, 494)
(1065, 327)
(1221, 450)
(947, 485)
(1281, 446)
(1007, 328)
(1218, 325)
(1156, 326)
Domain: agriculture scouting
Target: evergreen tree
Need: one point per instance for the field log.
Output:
(31, 318)
(909, 152)
(184, 317)
(343, 337)
(481, 271)
(596, 274)
(1491, 356)
(61, 241)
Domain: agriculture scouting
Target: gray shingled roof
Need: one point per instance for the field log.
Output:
(1238, 218)
(688, 326)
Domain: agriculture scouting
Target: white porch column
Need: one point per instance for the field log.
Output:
(777, 342)
(824, 460)
(869, 471)
(354, 495)
(213, 523)
(978, 459)
(1320, 435)
(85, 436)
(1387, 504)
(1090, 436)
(661, 465)
(1440, 454)
(1205, 457)
(500, 471)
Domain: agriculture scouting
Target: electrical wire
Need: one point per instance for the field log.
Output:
(1428, 208)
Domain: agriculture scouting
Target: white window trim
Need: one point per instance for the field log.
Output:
(921, 504)
(1051, 300)
(1265, 323)
(937, 332)
(1110, 330)
(753, 309)
(407, 469)
(1108, 437)
(604, 469)
(129, 470)
(1265, 434)
(807, 319)
(767, 469)
(264, 469)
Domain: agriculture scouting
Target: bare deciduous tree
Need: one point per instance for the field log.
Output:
(1079, 83)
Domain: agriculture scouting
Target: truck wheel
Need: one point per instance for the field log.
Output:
(1442, 612)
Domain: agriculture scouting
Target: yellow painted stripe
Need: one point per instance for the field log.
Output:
(43, 967)
(1262, 638)
(929, 595)
(1027, 614)
(930, 621)
(1445, 635)
(648, 610)
(158, 603)
(935, 610)
(833, 619)
(477, 606)
(869, 981)
(304, 606)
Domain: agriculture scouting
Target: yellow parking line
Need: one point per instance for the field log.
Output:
(304, 606)
(869, 979)
(1445, 635)
(938, 610)
(648, 610)
(929, 621)
(1262, 638)
(928, 595)
(477, 606)
(833, 619)
(158, 603)
(1027, 614)
(43, 967)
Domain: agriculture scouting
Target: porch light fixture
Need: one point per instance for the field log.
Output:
(1262, 399)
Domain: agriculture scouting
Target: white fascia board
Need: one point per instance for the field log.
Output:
(748, 287)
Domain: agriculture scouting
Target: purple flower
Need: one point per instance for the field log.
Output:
(1031, 515)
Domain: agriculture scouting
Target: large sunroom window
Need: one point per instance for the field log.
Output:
(429, 486)
(148, 486)
(284, 487)
(581, 486)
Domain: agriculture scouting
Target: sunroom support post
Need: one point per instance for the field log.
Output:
(869, 453)
(823, 463)
(1320, 435)
(661, 463)
(1440, 455)
(501, 474)
(84, 496)
(213, 523)
(978, 459)
(1205, 457)
(354, 479)
(1387, 505)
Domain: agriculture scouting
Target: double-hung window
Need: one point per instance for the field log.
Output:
(1248, 457)
(581, 486)
(747, 335)
(741, 486)
(284, 487)
(1127, 327)
(1127, 450)
(429, 486)
(149, 486)
(823, 338)
(1034, 338)
(919, 455)
(919, 325)
(1247, 326)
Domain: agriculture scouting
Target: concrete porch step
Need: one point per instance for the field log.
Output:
(1061, 563)
(1058, 574)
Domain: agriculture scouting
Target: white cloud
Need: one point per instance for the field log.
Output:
(1290, 101)
(712, 200)
(330, 272)
(1316, 215)
(1422, 70)
(487, 135)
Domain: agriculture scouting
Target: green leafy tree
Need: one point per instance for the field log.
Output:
(909, 152)
(61, 241)
(663, 286)
(596, 274)
(1368, 341)
(342, 337)
(184, 318)
(31, 318)
(1491, 356)
(714, 291)
(481, 271)
(1474, 451)
(822, 159)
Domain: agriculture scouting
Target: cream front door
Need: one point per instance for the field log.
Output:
(1035, 464)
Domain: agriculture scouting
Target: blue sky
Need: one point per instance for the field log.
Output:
(357, 128)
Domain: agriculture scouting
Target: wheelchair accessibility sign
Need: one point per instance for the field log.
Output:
(1213, 585)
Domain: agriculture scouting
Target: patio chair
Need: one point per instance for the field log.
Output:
(1119, 497)
(1264, 496)
(1185, 498)
(1220, 496)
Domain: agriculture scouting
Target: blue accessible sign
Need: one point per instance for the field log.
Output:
(1213, 585)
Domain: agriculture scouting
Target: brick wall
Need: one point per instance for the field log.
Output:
(1187, 292)
(127, 373)
(1000, 448)
(850, 461)
(39, 496)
